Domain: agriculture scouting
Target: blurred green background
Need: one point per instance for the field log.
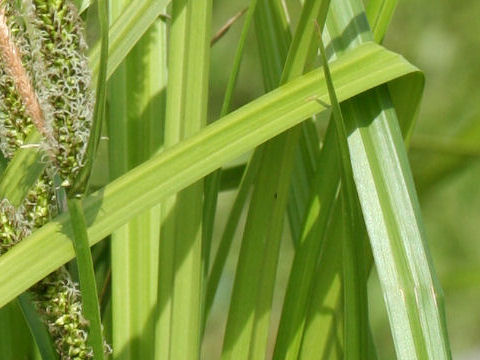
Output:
(441, 38)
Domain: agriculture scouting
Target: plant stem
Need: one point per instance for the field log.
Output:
(86, 276)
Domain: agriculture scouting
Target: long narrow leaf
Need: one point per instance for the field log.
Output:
(86, 275)
(249, 315)
(81, 182)
(379, 14)
(248, 319)
(37, 328)
(322, 335)
(137, 102)
(15, 339)
(212, 182)
(307, 252)
(365, 67)
(186, 114)
(229, 231)
(390, 208)
(355, 283)
(126, 31)
(303, 175)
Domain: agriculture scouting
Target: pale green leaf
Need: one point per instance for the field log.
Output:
(186, 114)
(379, 14)
(49, 247)
(390, 206)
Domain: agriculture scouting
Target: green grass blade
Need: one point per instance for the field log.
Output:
(298, 293)
(15, 339)
(303, 175)
(391, 210)
(82, 5)
(137, 96)
(322, 335)
(49, 247)
(249, 316)
(230, 229)
(246, 332)
(300, 49)
(86, 275)
(272, 31)
(3, 164)
(412, 296)
(22, 171)
(232, 81)
(355, 292)
(379, 14)
(231, 177)
(212, 182)
(186, 114)
(86, 272)
(242, 323)
(37, 328)
(81, 182)
(125, 32)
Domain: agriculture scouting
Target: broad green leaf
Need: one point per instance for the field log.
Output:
(390, 206)
(49, 247)
(249, 316)
(86, 275)
(125, 32)
(137, 102)
(186, 114)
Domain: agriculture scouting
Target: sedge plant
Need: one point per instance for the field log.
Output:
(137, 203)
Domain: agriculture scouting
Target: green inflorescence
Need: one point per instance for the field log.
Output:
(15, 123)
(63, 314)
(13, 226)
(62, 80)
(50, 43)
(34, 212)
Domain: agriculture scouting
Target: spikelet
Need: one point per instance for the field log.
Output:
(57, 298)
(50, 87)
(15, 121)
(62, 80)
(45, 83)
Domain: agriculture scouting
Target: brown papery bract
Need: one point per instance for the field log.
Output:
(11, 56)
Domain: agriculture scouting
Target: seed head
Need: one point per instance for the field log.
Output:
(45, 83)
(62, 79)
